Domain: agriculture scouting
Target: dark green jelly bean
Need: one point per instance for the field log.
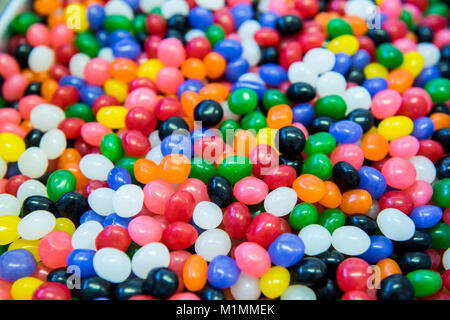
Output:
(111, 147)
(333, 106)
(441, 193)
(331, 219)
(440, 234)
(319, 165)
(438, 8)
(274, 97)
(320, 142)
(81, 111)
(303, 215)
(255, 120)
(235, 168)
(59, 183)
(202, 169)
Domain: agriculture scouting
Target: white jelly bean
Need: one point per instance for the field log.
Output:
(429, 52)
(106, 54)
(119, 8)
(154, 139)
(350, 240)
(248, 29)
(155, 155)
(320, 60)
(33, 163)
(331, 83)
(150, 256)
(3, 168)
(425, 169)
(101, 201)
(95, 166)
(301, 72)
(280, 201)
(170, 8)
(77, 64)
(53, 143)
(396, 225)
(316, 238)
(128, 200)
(446, 259)
(298, 292)
(211, 243)
(85, 235)
(148, 5)
(251, 52)
(46, 117)
(41, 59)
(211, 4)
(9, 205)
(246, 288)
(207, 215)
(36, 225)
(357, 98)
(112, 265)
(31, 188)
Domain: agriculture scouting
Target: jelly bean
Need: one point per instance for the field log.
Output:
(24, 288)
(104, 257)
(352, 274)
(17, 264)
(274, 282)
(283, 195)
(54, 249)
(316, 239)
(395, 225)
(350, 240)
(223, 272)
(252, 259)
(309, 271)
(424, 282)
(395, 287)
(211, 243)
(286, 250)
(36, 225)
(207, 215)
(399, 173)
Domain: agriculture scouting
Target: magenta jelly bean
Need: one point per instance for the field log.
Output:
(252, 259)
(144, 230)
(171, 52)
(404, 147)
(251, 190)
(93, 133)
(141, 97)
(385, 104)
(399, 173)
(350, 153)
(97, 71)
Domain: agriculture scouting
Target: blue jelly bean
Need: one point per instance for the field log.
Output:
(89, 94)
(176, 144)
(134, 4)
(127, 48)
(380, 248)
(114, 219)
(83, 259)
(236, 68)
(16, 264)
(223, 272)
(427, 216)
(96, 16)
(102, 38)
(272, 74)
(375, 85)
(12, 170)
(118, 177)
(303, 113)
(346, 131)
(229, 49)
(372, 181)
(201, 133)
(259, 88)
(189, 85)
(119, 35)
(200, 18)
(423, 128)
(91, 215)
(72, 81)
(286, 250)
(343, 63)
(241, 13)
(268, 19)
(427, 74)
(360, 59)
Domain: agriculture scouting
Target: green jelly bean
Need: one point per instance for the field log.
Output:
(115, 22)
(88, 44)
(235, 168)
(111, 147)
(228, 129)
(128, 164)
(441, 193)
(389, 56)
(425, 282)
(407, 18)
(242, 101)
(139, 24)
(331, 219)
(81, 111)
(255, 120)
(337, 27)
(215, 33)
(440, 233)
(303, 215)
(132, 249)
(23, 21)
(333, 106)
(202, 169)
(319, 165)
(3, 249)
(321, 142)
(274, 97)
(439, 90)
(59, 183)
(439, 8)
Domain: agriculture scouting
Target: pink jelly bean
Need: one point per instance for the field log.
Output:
(142, 297)
(442, 38)
(9, 115)
(178, 259)
(8, 65)
(405, 45)
(169, 79)
(60, 35)
(391, 8)
(144, 230)
(350, 153)
(97, 71)
(141, 97)
(386, 103)
(196, 188)
(38, 35)
(399, 173)
(252, 259)
(54, 249)
(28, 103)
(404, 147)
(12, 128)
(14, 87)
(251, 190)
(184, 296)
(421, 192)
(301, 127)
(171, 52)
(280, 7)
(416, 92)
(93, 133)
(156, 195)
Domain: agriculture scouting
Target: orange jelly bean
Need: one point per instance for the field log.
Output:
(332, 197)
(69, 155)
(388, 267)
(215, 91)
(189, 100)
(440, 120)
(194, 68)
(309, 188)
(400, 80)
(195, 273)
(124, 70)
(74, 167)
(375, 147)
(48, 89)
(175, 168)
(215, 65)
(146, 170)
(279, 116)
(356, 201)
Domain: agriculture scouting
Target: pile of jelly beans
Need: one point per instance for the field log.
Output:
(226, 149)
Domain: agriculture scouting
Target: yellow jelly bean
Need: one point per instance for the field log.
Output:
(75, 17)
(274, 282)
(346, 43)
(413, 62)
(11, 147)
(30, 245)
(267, 136)
(375, 70)
(24, 288)
(395, 127)
(66, 225)
(8, 229)
(112, 117)
(117, 89)
(150, 69)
